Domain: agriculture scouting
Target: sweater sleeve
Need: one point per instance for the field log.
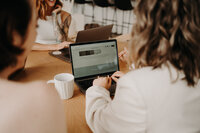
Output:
(125, 113)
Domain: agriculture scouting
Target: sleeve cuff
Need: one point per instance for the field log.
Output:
(98, 90)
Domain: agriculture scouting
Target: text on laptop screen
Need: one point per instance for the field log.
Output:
(94, 59)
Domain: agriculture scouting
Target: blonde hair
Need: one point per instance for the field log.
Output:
(168, 30)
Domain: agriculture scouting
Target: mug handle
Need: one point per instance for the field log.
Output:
(50, 82)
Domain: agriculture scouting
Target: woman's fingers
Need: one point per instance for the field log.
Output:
(65, 44)
(57, 9)
(103, 82)
(122, 53)
(114, 78)
(117, 75)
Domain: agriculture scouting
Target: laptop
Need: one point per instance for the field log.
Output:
(94, 34)
(93, 59)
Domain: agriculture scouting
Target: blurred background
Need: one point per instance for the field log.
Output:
(93, 13)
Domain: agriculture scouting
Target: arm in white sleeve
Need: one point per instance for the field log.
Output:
(125, 113)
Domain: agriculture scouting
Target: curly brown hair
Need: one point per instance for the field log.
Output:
(41, 7)
(168, 31)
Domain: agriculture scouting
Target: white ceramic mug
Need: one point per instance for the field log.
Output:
(64, 84)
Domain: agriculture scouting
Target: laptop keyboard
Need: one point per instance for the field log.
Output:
(65, 54)
(85, 84)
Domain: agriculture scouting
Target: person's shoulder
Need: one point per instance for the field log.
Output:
(35, 102)
(148, 72)
(46, 104)
(37, 91)
(34, 92)
(136, 73)
(147, 75)
(44, 92)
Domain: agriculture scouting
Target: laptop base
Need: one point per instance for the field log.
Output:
(63, 55)
(84, 88)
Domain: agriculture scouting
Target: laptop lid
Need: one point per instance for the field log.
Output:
(94, 34)
(94, 59)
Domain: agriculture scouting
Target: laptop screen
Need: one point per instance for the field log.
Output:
(95, 58)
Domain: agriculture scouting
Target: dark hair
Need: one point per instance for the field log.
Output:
(15, 16)
(41, 7)
(168, 30)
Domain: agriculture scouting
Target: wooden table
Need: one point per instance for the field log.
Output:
(42, 66)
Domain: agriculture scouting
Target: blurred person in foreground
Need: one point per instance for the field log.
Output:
(25, 107)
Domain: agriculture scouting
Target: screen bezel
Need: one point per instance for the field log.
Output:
(96, 43)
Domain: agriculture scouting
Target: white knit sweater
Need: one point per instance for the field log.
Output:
(146, 101)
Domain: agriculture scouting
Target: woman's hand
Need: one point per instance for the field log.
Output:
(104, 82)
(124, 56)
(38, 46)
(62, 45)
(57, 9)
(117, 75)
